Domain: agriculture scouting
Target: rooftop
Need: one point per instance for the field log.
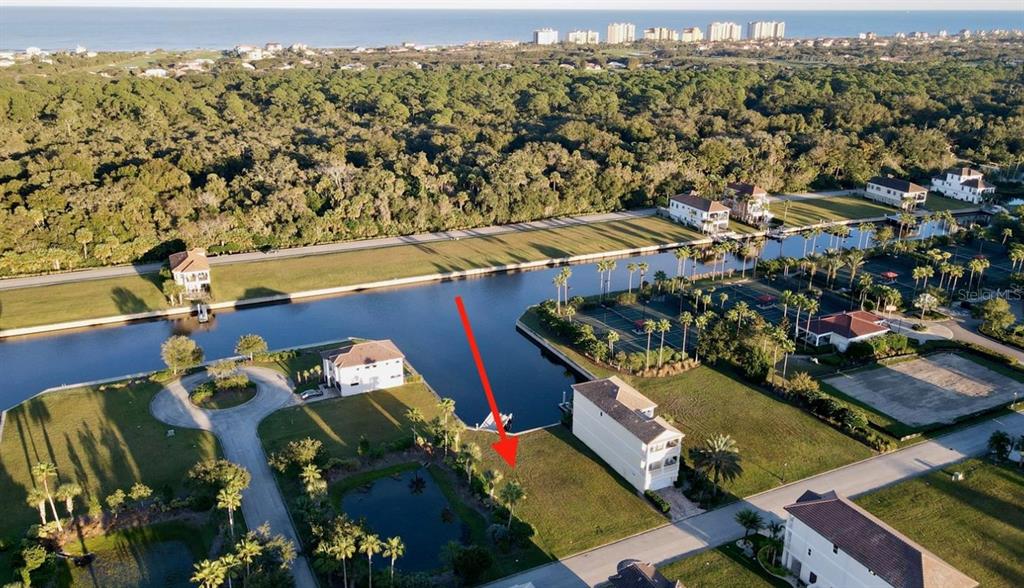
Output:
(626, 405)
(631, 573)
(744, 189)
(193, 260)
(896, 184)
(700, 203)
(849, 324)
(353, 353)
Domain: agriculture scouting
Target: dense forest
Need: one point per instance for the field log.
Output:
(97, 170)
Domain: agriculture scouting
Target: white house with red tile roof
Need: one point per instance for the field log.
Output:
(191, 270)
(361, 366)
(707, 216)
(963, 184)
(842, 328)
(832, 542)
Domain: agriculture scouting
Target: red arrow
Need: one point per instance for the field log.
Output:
(506, 447)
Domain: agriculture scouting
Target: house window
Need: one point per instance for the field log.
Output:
(835, 548)
(812, 578)
(672, 460)
(808, 551)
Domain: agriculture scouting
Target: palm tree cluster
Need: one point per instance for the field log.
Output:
(340, 540)
(257, 556)
(45, 494)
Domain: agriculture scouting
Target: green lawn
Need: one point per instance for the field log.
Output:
(830, 208)
(229, 398)
(936, 203)
(104, 440)
(96, 298)
(976, 525)
(340, 422)
(724, 566)
(573, 501)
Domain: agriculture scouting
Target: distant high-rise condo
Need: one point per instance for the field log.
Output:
(579, 37)
(765, 29)
(692, 35)
(621, 32)
(660, 34)
(545, 36)
(724, 31)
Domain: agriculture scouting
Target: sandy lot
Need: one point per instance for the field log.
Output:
(934, 389)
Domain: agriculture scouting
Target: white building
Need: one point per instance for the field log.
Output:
(545, 36)
(692, 35)
(618, 424)
(842, 328)
(747, 203)
(273, 47)
(766, 29)
(707, 216)
(154, 72)
(963, 184)
(191, 270)
(724, 31)
(899, 193)
(621, 32)
(661, 34)
(832, 542)
(579, 37)
(359, 367)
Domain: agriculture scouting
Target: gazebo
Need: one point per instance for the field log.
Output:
(890, 276)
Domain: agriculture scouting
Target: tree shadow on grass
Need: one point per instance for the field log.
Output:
(127, 302)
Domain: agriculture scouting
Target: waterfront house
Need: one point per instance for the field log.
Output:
(963, 184)
(895, 192)
(842, 328)
(747, 203)
(617, 422)
(191, 270)
(631, 573)
(707, 216)
(356, 367)
(831, 541)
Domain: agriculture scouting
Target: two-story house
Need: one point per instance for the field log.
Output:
(748, 203)
(963, 184)
(617, 422)
(832, 542)
(894, 192)
(191, 270)
(707, 216)
(358, 367)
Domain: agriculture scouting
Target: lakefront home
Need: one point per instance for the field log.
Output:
(963, 184)
(617, 422)
(895, 192)
(361, 366)
(831, 542)
(707, 216)
(191, 270)
(748, 203)
(842, 328)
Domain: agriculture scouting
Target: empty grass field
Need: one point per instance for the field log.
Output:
(97, 298)
(724, 566)
(936, 203)
(977, 525)
(103, 440)
(810, 211)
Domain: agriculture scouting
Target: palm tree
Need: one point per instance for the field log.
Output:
(917, 273)
(786, 346)
(394, 549)
(565, 274)
(611, 337)
(750, 520)
(685, 320)
(511, 493)
(975, 266)
(682, 254)
(1007, 234)
(209, 573)
(470, 455)
(492, 477)
(701, 322)
(883, 236)
(799, 301)
(611, 264)
(723, 298)
(718, 457)
(643, 267)
(982, 265)
(43, 471)
(370, 545)
(864, 230)
(230, 499)
(229, 561)
(811, 264)
(786, 298)
(415, 417)
(706, 301)
(37, 499)
(312, 479)
(447, 407)
(811, 307)
(854, 261)
(247, 550)
(955, 272)
(632, 267)
(649, 328)
(67, 493)
(663, 327)
(558, 281)
(1016, 256)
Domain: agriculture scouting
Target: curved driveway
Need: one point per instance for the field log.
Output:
(236, 429)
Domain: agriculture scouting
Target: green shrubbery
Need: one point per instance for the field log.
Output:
(881, 347)
(660, 503)
(807, 391)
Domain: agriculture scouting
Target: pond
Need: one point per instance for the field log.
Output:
(409, 505)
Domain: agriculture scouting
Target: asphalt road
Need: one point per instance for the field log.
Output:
(235, 428)
(130, 270)
(716, 527)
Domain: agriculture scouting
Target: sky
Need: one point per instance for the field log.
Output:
(764, 5)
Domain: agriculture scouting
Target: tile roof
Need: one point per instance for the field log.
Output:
(977, 183)
(745, 189)
(857, 323)
(891, 556)
(624, 404)
(354, 353)
(700, 203)
(193, 260)
(631, 573)
(896, 184)
(966, 171)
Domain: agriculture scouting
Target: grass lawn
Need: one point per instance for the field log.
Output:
(936, 203)
(976, 525)
(829, 208)
(104, 440)
(341, 422)
(724, 566)
(706, 401)
(229, 398)
(573, 501)
(96, 298)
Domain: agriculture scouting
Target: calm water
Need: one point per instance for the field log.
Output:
(389, 506)
(422, 320)
(168, 28)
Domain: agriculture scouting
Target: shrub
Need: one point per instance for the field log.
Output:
(659, 502)
(626, 298)
(202, 393)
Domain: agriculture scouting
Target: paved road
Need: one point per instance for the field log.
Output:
(130, 270)
(236, 430)
(717, 527)
(967, 330)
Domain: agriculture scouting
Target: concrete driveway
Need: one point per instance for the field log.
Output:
(235, 428)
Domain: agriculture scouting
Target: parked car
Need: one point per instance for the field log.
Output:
(638, 328)
(312, 394)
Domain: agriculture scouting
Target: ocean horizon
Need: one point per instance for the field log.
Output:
(141, 29)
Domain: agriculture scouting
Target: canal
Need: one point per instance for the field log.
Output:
(422, 320)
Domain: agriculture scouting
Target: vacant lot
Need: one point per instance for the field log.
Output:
(936, 203)
(809, 211)
(934, 389)
(976, 525)
(715, 568)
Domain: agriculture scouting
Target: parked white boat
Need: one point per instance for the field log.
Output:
(488, 423)
(203, 312)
